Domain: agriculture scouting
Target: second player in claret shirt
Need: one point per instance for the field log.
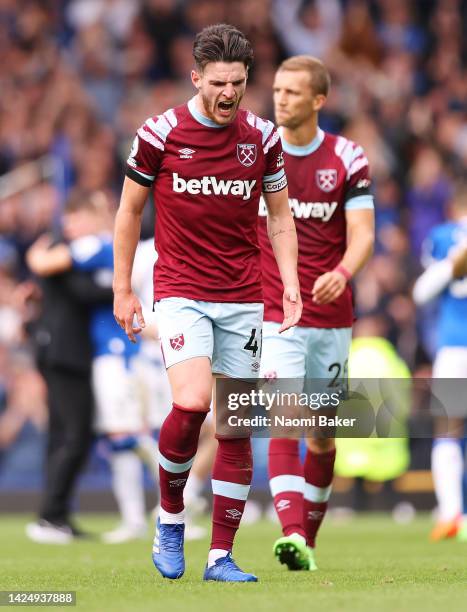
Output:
(329, 197)
(208, 161)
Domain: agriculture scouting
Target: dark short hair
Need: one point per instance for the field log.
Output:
(221, 43)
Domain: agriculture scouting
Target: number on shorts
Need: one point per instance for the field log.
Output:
(252, 344)
(336, 367)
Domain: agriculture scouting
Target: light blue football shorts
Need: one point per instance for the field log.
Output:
(229, 334)
(309, 353)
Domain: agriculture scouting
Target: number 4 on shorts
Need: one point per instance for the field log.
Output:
(252, 344)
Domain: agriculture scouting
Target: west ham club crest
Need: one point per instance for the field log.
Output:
(177, 342)
(326, 179)
(246, 154)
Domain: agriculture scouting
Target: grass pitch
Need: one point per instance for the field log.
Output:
(365, 564)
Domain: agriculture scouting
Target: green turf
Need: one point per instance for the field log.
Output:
(369, 563)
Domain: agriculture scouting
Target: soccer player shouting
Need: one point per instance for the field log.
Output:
(208, 162)
(333, 209)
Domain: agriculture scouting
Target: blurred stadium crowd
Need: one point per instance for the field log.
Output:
(78, 76)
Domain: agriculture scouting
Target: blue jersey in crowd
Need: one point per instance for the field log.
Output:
(452, 319)
(94, 254)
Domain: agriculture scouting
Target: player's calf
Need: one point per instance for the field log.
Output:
(177, 448)
(318, 471)
(287, 484)
(230, 485)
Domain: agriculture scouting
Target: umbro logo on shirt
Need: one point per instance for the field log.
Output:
(186, 153)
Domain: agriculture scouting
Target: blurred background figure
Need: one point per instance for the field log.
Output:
(445, 278)
(87, 225)
(68, 297)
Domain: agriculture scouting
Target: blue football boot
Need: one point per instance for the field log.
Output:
(167, 550)
(226, 570)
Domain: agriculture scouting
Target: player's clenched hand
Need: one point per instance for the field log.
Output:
(328, 287)
(292, 305)
(126, 306)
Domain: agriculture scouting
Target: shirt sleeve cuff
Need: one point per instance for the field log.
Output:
(139, 177)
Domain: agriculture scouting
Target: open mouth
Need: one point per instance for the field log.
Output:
(226, 106)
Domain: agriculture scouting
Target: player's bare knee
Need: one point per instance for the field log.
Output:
(192, 399)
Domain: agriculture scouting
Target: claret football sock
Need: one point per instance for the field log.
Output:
(318, 471)
(178, 442)
(231, 479)
(287, 484)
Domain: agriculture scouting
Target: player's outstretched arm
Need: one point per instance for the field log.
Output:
(126, 236)
(283, 237)
(432, 282)
(360, 241)
(46, 260)
(438, 275)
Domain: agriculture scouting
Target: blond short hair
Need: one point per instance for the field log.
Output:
(319, 75)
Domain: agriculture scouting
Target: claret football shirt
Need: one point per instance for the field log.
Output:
(207, 184)
(326, 177)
